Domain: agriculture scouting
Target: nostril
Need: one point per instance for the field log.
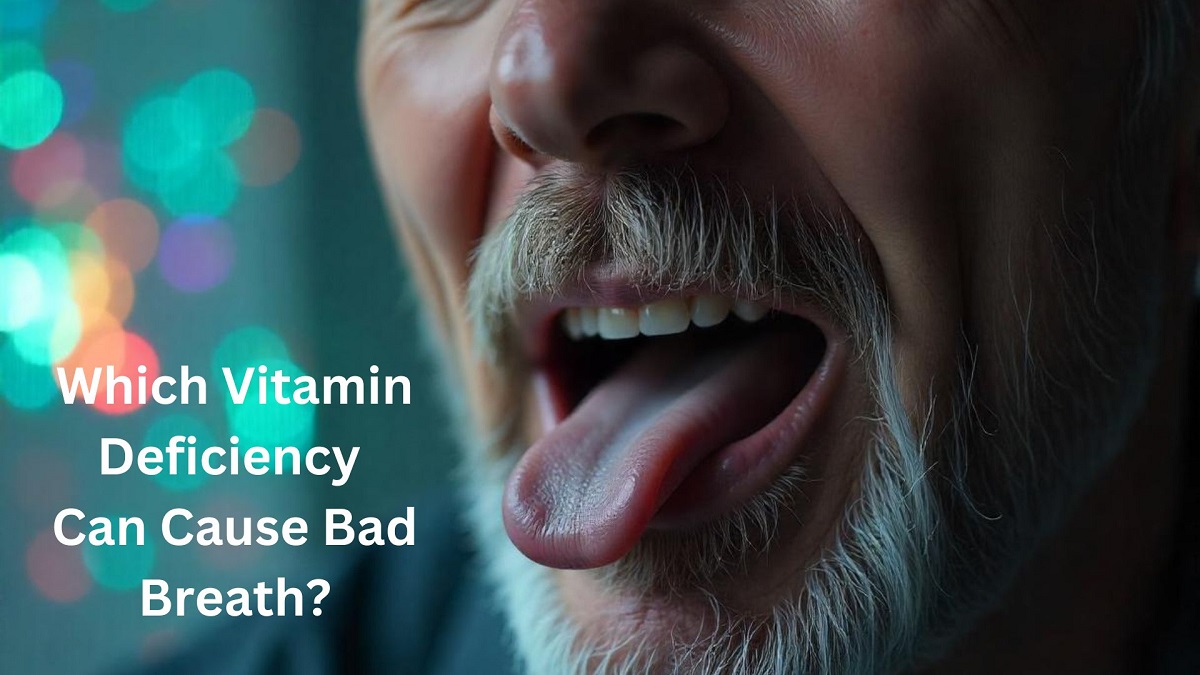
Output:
(511, 141)
(515, 144)
(571, 85)
(649, 131)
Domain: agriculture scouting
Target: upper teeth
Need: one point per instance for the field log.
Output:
(665, 317)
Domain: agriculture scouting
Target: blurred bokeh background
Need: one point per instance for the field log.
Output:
(185, 182)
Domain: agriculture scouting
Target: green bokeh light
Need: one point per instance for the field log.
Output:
(164, 133)
(40, 310)
(31, 106)
(272, 424)
(254, 423)
(210, 189)
(159, 435)
(121, 568)
(51, 338)
(24, 385)
(144, 178)
(226, 102)
(20, 291)
(44, 251)
(245, 347)
(19, 55)
(172, 143)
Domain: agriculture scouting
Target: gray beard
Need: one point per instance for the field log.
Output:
(932, 541)
(950, 502)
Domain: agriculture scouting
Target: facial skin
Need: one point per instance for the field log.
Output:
(977, 205)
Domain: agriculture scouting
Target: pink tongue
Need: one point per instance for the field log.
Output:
(582, 495)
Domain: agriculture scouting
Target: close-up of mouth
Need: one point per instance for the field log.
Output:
(662, 415)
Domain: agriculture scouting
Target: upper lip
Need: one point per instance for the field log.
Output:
(604, 285)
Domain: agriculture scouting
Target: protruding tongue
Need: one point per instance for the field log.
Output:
(583, 494)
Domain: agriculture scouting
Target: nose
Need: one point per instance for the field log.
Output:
(600, 83)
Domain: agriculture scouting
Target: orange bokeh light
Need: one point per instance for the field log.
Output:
(269, 150)
(121, 290)
(90, 287)
(129, 231)
(125, 351)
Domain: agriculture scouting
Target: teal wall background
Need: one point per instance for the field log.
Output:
(296, 264)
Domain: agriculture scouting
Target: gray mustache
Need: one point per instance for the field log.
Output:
(668, 229)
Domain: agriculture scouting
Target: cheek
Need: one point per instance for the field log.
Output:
(932, 121)
(426, 101)
(872, 101)
(427, 107)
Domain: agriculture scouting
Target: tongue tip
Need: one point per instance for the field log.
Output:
(567, 538)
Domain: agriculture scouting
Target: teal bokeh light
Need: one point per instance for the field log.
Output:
(247, 346)
(164, 134)
(51, 338)
(173, 144)
(38, 310)
(209, 189)
(159, 435)
(20, 291)
(121, 568)
(257, 423)
(272, 423)
(24, 385)
(31, 106)
(46, 254)
(19, 55)
(226, 102)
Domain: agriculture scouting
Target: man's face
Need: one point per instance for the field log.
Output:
(786, 328)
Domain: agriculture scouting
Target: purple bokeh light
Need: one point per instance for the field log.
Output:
(196, 253)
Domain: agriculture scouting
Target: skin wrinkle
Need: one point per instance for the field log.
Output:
(981, 443)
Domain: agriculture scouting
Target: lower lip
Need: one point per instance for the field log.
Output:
(734, 475)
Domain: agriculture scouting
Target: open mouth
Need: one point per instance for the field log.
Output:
(662, 415)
